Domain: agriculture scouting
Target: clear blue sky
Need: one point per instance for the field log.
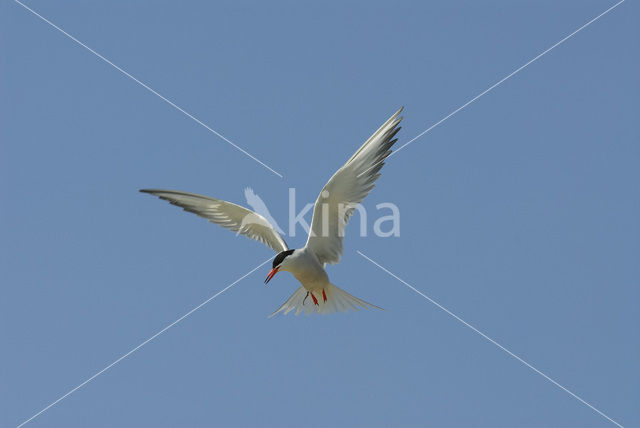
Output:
(520, 213)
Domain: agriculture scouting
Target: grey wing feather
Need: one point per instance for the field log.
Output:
(346, 189)
(226, 214)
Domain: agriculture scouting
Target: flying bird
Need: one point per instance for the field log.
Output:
(336, 203)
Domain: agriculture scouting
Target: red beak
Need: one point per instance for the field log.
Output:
(271, 275)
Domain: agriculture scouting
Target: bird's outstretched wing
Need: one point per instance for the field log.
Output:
(346, 189)
(226, 214)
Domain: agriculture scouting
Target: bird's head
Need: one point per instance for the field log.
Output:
(279, 263)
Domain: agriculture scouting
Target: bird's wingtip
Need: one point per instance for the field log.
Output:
(397, 113)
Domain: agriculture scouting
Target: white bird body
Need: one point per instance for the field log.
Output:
(337, 201)
(304, 265)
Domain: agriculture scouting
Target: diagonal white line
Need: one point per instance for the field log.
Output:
(144, 343)
(165, 99)
(488, 338)
(499, 82)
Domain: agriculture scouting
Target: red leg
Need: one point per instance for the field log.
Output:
(315, 301)
(324, 296)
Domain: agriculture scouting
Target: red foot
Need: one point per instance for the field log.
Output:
(324, 296)
(315, 301)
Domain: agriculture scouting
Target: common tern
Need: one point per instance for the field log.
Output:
(336, 203)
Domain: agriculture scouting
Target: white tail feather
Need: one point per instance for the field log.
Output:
(337, 300)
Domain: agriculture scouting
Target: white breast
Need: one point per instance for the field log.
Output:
(304, 265)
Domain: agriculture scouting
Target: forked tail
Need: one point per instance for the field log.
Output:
(331, 299)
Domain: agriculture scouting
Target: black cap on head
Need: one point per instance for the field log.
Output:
(280, 257)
